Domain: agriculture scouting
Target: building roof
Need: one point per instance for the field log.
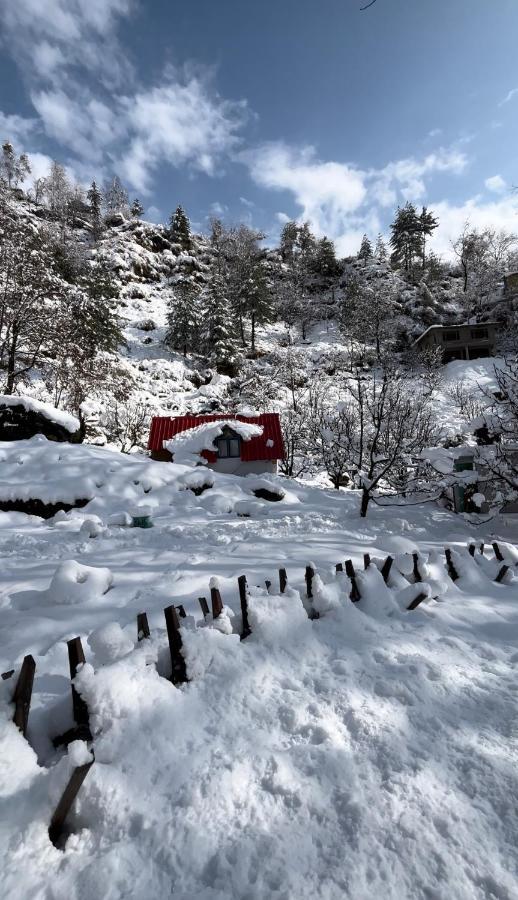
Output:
(268, 445)
(450, 327)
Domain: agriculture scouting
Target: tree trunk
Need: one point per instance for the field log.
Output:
(253, 333)
(365, 502)
(11, 367)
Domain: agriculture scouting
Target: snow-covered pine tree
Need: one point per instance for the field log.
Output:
(258, 303)
(180, 229)
(406, 237)
(219, 327)
(183, 318)
(94, 198)
(325, 262)
(380, 251)
(288, 240)
(115, 197)
(427, 223)
(13, 169)
(136, 208)
(365, 251)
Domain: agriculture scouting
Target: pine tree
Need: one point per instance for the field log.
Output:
(94, 197)
(97, 322)
(406, 237)
(115, 197)
(183, 320)
(288, 240)
(380, 251)
(219, 329)
(428, 223)
(136, 208)
(13, 169)
(365, 251)
(325, 262)
(258, 302)
(180, 229)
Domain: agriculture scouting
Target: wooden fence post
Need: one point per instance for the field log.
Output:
(178, 669)
(23, 693)
(204, 606)
(452, 571)
(268, 585)
(416, 601)
(386, 567)
(217, 603)
(481, 548)
(355, 592)
(181, 611)
(498, 552)
(309, 575)
(68, 796)
(502, 573)
(415, 569)
(366, 560)
(76, 658)
(339, 567)
(142, 626)
(243, 596)
(283, 580)
(472, 549)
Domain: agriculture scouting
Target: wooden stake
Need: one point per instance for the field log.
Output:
(419, 599)
(472, 549)
(283, 580)
(502, 573)
(498, 552)
(355, 592)
(339, 567)
(482, 548)
(142, 627)
(178, 670)
(417, 574)
(309, 575)
(452, 571)
(268, 585)
(67, 798)
(217, 603)
(243, 596)
(204, 606)
(76, 658)
(386, 567)
(181, 611)
(6, 675)
(23, 693)
(366, 560)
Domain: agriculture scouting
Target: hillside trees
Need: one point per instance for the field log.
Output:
(184, 317)
(179, 230)
(95, 200)
(409, 232)
(373, 434)
(365, 251)
(13, 169)
(115, 197)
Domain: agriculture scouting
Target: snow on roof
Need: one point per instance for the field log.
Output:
(58, 416)
(187, 446)
(266, 445)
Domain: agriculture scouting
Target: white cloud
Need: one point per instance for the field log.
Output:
(218, 209)
(500, 214)
(508, 97)
(339, 199)
(496, 184)
(16, 128)
(178, 122)
(154, 214)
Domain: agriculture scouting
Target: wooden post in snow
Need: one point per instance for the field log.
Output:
(283, 580)
(204, 606)
(339, 567)
(498, 552)
(386, 567)
(309, 575)
(142, 627)
(23, 693)
(181, 611)
(472, 549)
(416, 601)
(502, 573)
(217, 603)
(67, 798)
(452, 571)
(366, 560)
(355, 591)
(178, 669)
(415, 569)
(76, 658)
(243, 597)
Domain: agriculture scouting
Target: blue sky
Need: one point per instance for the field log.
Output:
(307, 109)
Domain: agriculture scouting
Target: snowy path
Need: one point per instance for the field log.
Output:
(359, 755)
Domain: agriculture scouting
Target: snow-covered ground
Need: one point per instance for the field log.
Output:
(371, 752)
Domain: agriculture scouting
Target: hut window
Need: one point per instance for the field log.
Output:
(228, 446)
(452, 335)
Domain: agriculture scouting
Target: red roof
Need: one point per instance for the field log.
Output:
(268, 445)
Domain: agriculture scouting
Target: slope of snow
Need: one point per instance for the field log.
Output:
(368, 752)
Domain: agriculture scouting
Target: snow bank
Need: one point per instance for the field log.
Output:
(74, 583)
(58, 416)
(109, 643)
(187, 446)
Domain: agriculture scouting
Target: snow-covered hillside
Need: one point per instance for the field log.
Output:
(367, 752)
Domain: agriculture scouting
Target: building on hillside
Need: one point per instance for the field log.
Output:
(233, 453)
(460, 341)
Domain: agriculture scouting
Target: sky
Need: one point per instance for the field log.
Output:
(262, 112)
